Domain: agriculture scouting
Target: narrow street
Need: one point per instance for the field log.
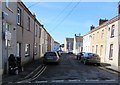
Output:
(73, 71)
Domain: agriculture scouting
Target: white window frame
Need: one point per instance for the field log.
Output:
(111, 52)
(28, 23)
(39, 32)
(8, 26)
(102, 34)
(96, 49)
(35, 49)
(101, 50)
(112, 31)
(36, 27)
(18, 16)
(27, 50)
(18, 49)
(8, 42)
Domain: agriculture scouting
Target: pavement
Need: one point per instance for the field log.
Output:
(29, 68)
(109, 67)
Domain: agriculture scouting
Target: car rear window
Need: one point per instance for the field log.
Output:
(50, 54)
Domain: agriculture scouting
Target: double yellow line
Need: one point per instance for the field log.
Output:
(35, 76)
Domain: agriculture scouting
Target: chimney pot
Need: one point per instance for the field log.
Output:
(118, 7)
(92, 27)
(101, 21)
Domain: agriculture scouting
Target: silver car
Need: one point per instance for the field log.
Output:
(51, 57)
(90, 58)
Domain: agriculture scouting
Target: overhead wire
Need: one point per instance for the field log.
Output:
(56, 26)
(58, 15)
(33, 4)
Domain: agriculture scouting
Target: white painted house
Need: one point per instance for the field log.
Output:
(56, 46)
(78, 44)
(113, 42)
(87, 41)
(68, 44)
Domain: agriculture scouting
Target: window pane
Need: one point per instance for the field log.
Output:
(28, 23)
(112, 30)
(18, 16)
(111, 52)
(27, 49)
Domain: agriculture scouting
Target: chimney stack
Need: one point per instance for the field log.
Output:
(92, 27)
(75, 35)
(118, 7)
(34, 15)
(101, 21)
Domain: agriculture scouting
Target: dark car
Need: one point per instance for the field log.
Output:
(78, 56)
(90, 58)
(70, 52)
(51, 57)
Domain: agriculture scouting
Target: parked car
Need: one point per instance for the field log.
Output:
(70, 52)
(51, 57)
(90, 58)
(78, 56)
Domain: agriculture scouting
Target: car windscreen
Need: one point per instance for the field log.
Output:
(50, 54)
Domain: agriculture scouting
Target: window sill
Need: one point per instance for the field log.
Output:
(35, 54)
(19, 25)
(110, 59)
(28, 30)
(111, 36)
(26, 55)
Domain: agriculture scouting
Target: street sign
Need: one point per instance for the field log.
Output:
(7, 35)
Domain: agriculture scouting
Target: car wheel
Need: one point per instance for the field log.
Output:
(76, 57)
(81, 60)
(58, 63)
(98, 64)
(22, 69)
(44, 62)
(85, 62)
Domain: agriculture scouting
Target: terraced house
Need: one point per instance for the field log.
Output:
(68, 44)
(8, 32)
(22, 34)
(78, 44)
(104, 40)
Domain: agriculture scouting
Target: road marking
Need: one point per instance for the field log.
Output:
(10, 82)
(24, 81)
(91, 80)
(110, 80)
(32, 72)
(57, 81)
(41, 81)
(39, 73)
(35, 76)
(74, 80)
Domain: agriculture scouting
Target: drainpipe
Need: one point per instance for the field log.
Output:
(3, 36)
(106, 43)
(34, 37)
(1, 63)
